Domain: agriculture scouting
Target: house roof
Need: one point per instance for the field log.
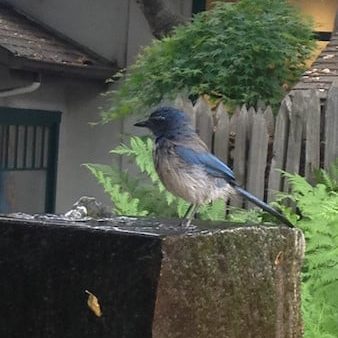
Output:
(35, 47)
(324, 70)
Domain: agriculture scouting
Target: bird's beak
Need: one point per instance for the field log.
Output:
(142, 124)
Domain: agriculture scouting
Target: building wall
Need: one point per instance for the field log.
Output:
(82, 142)
(79, 142)
(323, 12)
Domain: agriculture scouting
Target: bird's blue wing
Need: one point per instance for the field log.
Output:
(209, 162)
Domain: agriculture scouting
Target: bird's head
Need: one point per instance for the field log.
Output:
(168, 122)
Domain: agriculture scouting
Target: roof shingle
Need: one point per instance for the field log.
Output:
(324, 70)
(24, 38)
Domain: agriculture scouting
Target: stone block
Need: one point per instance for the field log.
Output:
(148, 278)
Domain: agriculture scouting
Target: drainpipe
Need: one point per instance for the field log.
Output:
(22, 90)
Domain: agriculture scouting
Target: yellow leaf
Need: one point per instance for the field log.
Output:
(279, 258)
(93, 303)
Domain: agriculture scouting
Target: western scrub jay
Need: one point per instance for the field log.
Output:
(187, 168)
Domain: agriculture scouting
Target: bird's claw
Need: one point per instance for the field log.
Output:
(186, 223)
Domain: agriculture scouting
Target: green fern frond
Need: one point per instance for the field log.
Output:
(114, 184)
(124, 203)
(182, 207)
(298, 183)
(329, 178)
(214, 211)
(141, 150)
(245, 216)
(318, 206)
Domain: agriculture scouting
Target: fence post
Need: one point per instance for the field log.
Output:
(331, 126)
(204, 121)
(239, 128)
(295, 134)
(222, 130)
(186, 105)
(258, 150)
(279, 148)
(312, 129)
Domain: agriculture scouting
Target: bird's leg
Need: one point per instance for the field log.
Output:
(188, 210)
(189, 215)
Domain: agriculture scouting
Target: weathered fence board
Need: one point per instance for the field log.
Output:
(251, 114)
(312, 138)
(279, 148)
(270, 121)
(204, 121)
(185, 104)
(257, 156)
(239, 123)
(331, 126)
(295, 135)
(222, 130)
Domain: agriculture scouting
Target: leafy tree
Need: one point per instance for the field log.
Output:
(160, 17)
(240, 53)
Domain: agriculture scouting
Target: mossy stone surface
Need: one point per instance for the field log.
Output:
(235, 283)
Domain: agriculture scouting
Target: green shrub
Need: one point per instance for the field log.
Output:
(239, 53)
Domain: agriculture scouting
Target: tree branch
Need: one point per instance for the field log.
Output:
(160, 17)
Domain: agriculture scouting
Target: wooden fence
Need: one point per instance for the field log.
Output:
(301, 137)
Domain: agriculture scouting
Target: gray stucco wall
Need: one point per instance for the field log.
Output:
(78, 101)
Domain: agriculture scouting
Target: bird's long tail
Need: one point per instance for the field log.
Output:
(263, 205)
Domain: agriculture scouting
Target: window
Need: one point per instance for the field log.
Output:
(28, 159)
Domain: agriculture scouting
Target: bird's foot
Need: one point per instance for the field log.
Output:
(186, 223)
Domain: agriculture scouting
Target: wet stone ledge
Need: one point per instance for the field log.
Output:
(131, 278)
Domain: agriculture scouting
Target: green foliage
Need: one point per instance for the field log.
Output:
(141, 151)
(239, 53)
(113, 183)
(318, 206)
(329, 178)
(246, 216)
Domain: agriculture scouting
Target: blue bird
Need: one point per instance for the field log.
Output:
(186, 167)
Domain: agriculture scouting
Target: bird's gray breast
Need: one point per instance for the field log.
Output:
(188, 181)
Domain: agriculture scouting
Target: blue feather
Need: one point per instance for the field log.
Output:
(211, 163)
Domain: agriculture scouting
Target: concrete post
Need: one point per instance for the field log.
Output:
(131, 278)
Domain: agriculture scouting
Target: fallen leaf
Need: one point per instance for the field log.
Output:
(93, 303)
(279, 258)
